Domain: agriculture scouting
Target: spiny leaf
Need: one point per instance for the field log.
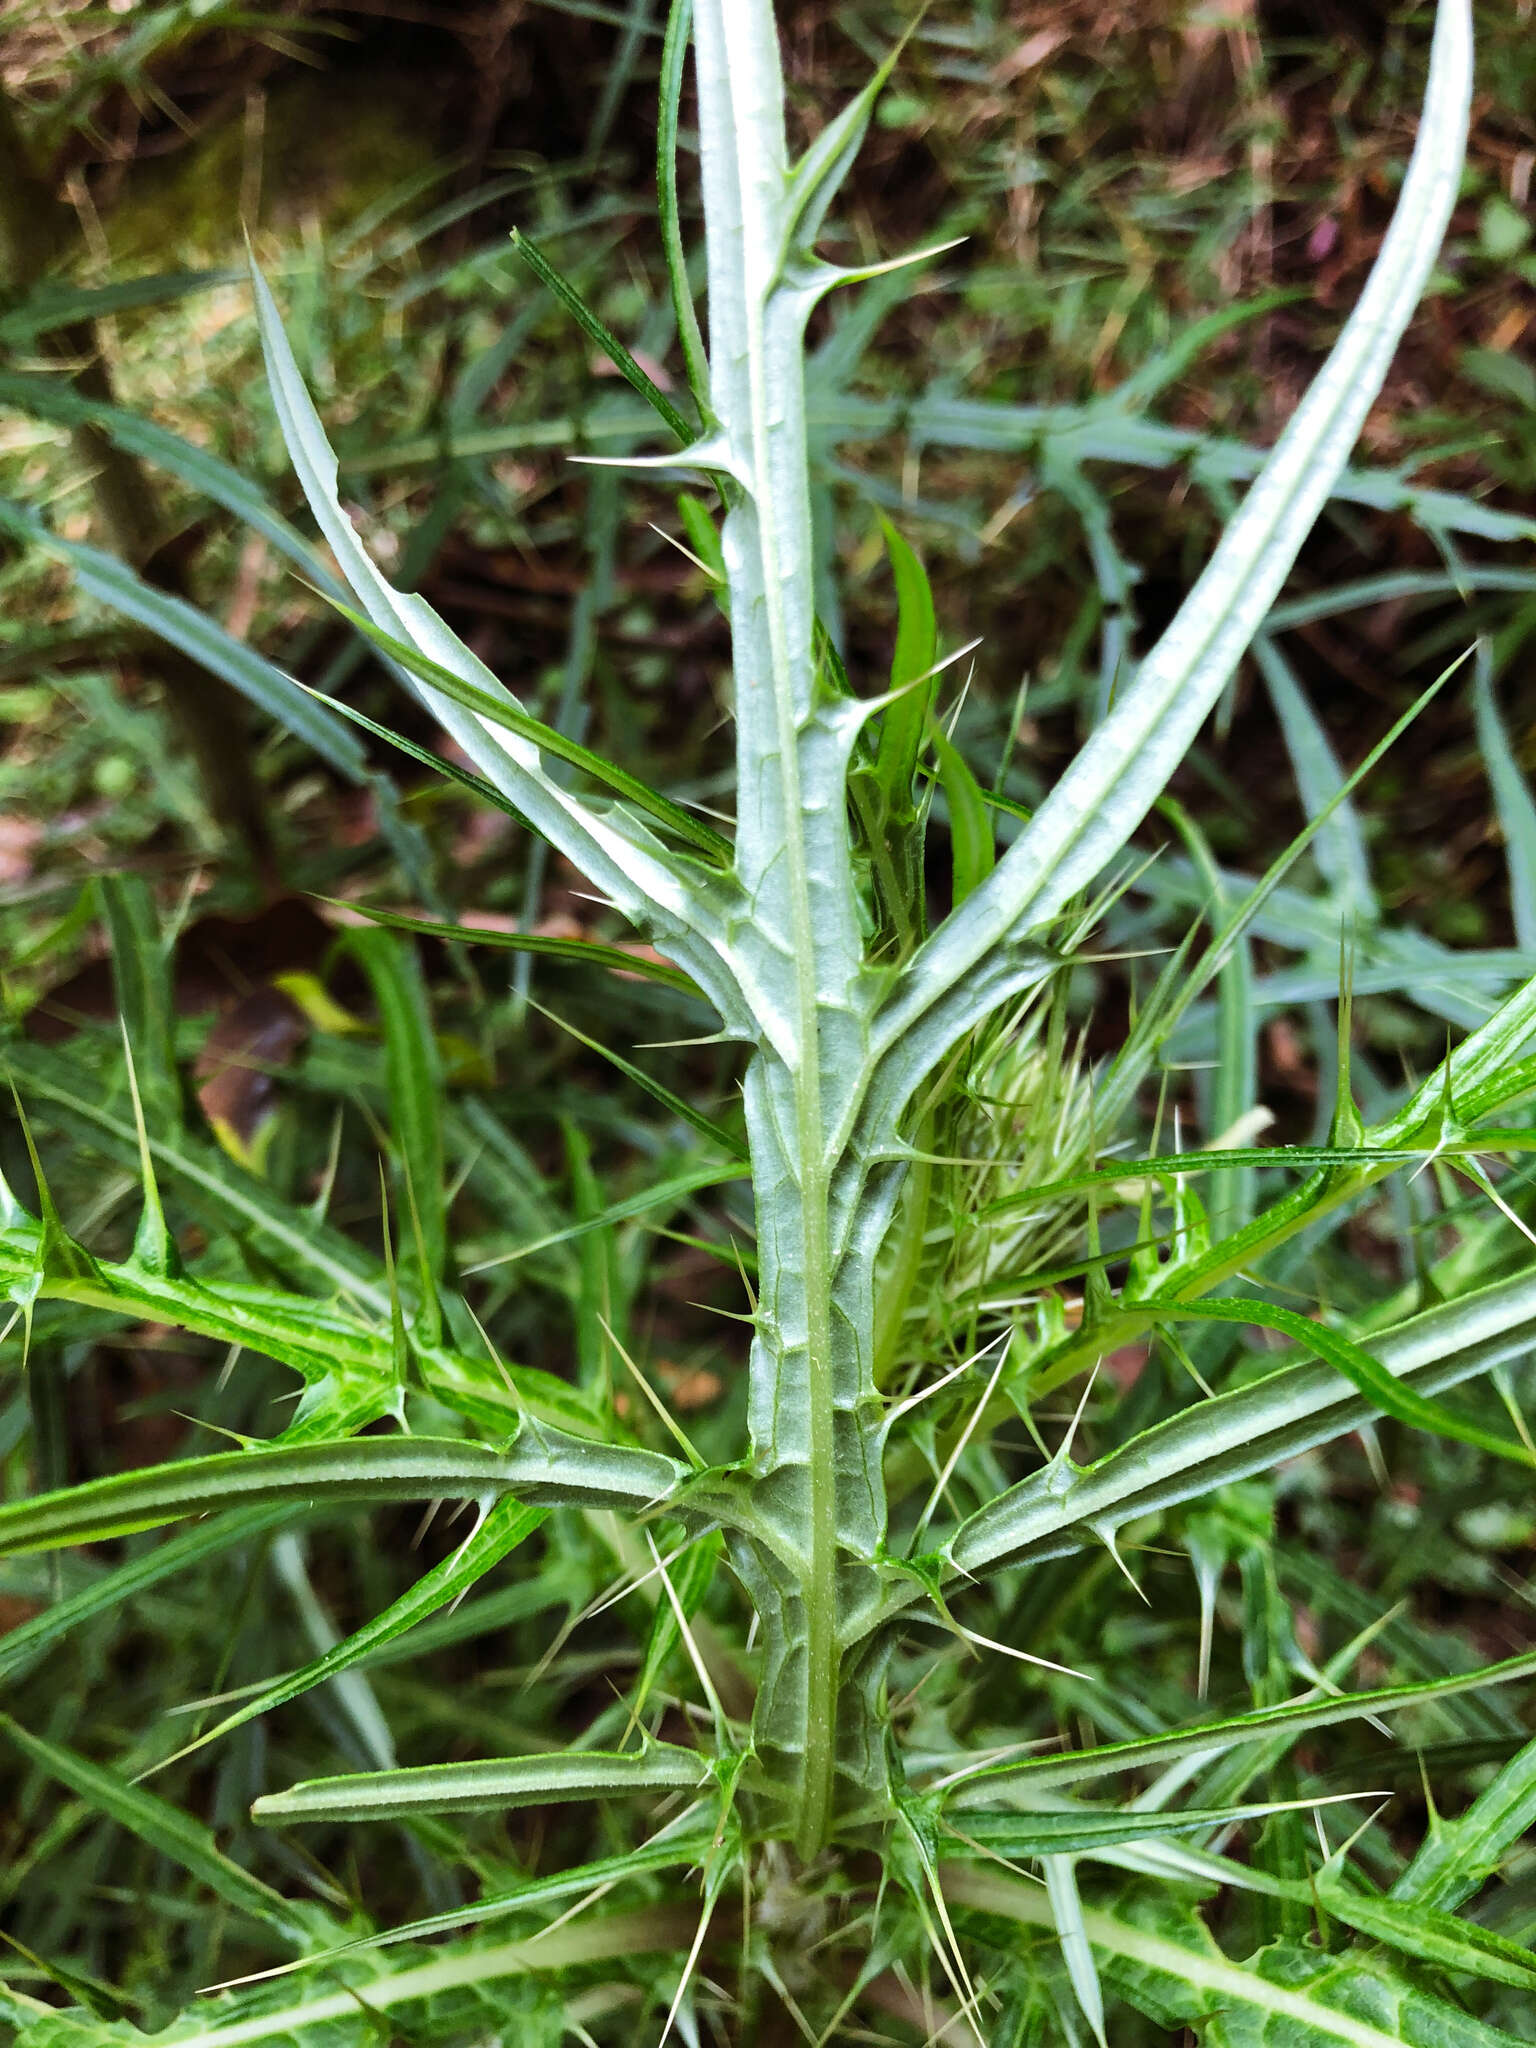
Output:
(1240, 1432)
(1294, 1718)
(1384, 1389)
(1458, 1855)
(1079, 1829)
(1166, 1960)
(1437, 1939)
(553, 1469)
(486, 1787)
(680, 1843)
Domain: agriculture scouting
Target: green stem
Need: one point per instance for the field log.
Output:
(799, 940)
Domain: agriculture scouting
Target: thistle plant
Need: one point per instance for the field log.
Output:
(948, 1229)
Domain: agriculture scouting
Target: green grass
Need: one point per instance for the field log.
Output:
(1216, 1423)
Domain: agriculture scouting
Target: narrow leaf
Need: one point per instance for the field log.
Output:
(598, 331)
(677, 1104)
(414, 1078)
(1382, 1388)
(507, 1524)
(588, 952)
(973, 850)
(1214, 1738)
(488, 1787)
(555, 1469)
(1459, 1855)
(503, 712)
(1440, 1940)
(20, 1647)
(202, 640)
(1512, 801)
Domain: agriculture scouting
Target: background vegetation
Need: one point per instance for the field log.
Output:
(1166, 213)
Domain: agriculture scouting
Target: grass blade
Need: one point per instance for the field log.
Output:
(164, 1827)
(585, 952)
(414, 1078)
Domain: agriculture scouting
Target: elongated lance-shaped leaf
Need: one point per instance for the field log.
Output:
(414, 1077)
(201, 639)
(549, 1469)
(497, 709)
(1076, 1766)
(1384, 1389)
(611, 848)
(812, 1397)
(58, 399)
(598, 331)
(51, 305)
(587, 952)
(142, 982)
(1063, 1506)
(680, 1842)
(1076, 1829)
(1438, 1939)
(677, 1104)
(1299, 1996)
(1512, 800)
(1108, 789)
(248, 2018)
(673, 59)
(488, 1787)
(1072, 1936)
(1458, 1855)
(1340, 845)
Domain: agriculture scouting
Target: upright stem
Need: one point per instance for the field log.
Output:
(812, 1449)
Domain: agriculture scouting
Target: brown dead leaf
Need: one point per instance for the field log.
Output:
(19, 839)
(1033, 51)
(235, 1084)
